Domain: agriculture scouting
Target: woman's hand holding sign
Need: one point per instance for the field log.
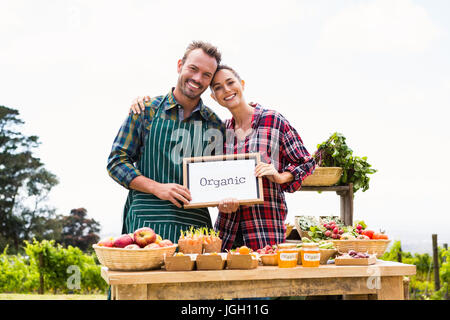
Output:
(228, 205)
(268, 170)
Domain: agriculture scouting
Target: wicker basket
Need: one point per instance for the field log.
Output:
(119, 259)
(212, 247)
(377, 247)
(302, 233)
(323, 176)
(289, 229)
(326, 254)
(269, 259)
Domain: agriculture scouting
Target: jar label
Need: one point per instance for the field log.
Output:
(311, 256)
(284, 256)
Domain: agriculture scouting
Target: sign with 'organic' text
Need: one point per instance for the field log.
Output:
(214, 178)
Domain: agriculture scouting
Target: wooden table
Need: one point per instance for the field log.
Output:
(384, 281)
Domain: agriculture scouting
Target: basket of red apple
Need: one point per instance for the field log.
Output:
(138, 251)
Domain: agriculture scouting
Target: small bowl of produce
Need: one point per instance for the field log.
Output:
(268, 255)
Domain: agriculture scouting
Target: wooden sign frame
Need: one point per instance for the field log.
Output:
(242, 156)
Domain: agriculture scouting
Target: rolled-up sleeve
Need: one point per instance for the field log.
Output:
(125, 151)
(299, 162)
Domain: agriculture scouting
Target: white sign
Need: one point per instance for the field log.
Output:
(212, 179)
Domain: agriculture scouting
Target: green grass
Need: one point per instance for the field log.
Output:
(32, 296)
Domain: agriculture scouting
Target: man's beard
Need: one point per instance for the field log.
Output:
(187, 92)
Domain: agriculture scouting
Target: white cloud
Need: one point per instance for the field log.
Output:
(380, 26)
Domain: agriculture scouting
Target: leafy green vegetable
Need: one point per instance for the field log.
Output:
(336, 153)
(323, 244)
(306, 222)
(317, 233)
(326, 245)
(328, 219)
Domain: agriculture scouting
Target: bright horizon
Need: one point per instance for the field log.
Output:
(377, 71)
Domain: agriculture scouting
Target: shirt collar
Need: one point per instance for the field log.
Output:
(171, 102)
(256, 115)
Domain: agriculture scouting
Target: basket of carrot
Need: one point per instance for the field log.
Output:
(199, 240)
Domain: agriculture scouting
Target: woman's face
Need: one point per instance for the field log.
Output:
(227, 89)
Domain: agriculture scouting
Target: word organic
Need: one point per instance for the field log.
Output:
(221, 182)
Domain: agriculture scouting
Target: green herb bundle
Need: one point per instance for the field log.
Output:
(335, 152)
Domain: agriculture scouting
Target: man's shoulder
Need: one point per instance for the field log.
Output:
(212, 116)
(154, 102)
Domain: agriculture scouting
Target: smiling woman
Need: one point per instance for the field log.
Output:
(285, 163)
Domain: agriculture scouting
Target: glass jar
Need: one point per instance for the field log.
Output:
(310, 255)
(287, 255)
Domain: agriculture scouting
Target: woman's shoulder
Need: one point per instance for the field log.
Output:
(269, 116)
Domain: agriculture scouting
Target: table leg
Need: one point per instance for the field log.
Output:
(130, 292)
(346, 205)
(391, 288)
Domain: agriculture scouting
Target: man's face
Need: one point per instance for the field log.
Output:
(196, 73)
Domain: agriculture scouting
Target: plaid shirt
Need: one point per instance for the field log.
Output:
(280, 144)
(130, 140)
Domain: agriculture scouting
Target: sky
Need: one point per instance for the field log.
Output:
(376, 71)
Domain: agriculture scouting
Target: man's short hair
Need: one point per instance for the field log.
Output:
(207, 48)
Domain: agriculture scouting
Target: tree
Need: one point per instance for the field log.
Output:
(24, 183)
(78, 230)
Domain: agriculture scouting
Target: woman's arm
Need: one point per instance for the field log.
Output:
(299, 162)
(268, 170)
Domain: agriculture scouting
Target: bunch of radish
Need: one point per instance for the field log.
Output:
(333, 230)
(268, 250)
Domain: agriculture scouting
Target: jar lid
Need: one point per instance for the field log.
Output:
(309, 244)
(286, 245)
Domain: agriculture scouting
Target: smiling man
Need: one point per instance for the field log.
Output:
(142, 156)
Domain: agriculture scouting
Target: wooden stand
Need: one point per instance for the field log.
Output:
(346, 194)
(383, 281)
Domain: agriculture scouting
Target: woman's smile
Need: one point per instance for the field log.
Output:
(230, 97)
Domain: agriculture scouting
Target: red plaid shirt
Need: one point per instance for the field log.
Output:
(278, 143)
